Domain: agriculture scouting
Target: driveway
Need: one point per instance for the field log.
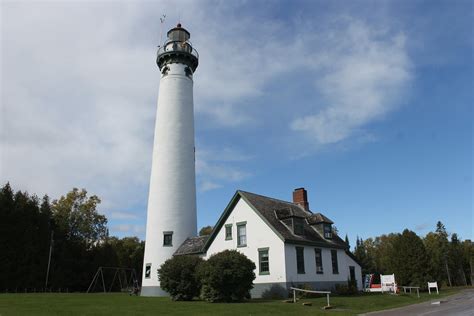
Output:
(461, 304)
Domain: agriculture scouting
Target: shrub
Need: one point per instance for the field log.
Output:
(226, 276)
(349, 289)
(178, 277)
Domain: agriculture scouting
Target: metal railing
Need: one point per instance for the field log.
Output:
(177, 46)
(310, 291)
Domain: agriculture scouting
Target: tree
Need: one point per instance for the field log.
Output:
(455, 261)
(444, 248)
(434, 246)
(468, 260)
(79, 234)
(178, 276)
(205, 231)
(382, 254)
(410, 260)
(80, 242)
(77, 218)
(347, 242)
(361, 255)
(129, 251)
(226, 276)
(24, 235)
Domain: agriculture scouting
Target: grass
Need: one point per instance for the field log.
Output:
(123, 304)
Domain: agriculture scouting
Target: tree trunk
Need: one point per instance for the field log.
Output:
(447, 271)
(471, 264)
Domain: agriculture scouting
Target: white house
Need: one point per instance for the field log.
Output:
(288, 243)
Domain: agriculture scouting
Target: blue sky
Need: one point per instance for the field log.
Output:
(366, 104)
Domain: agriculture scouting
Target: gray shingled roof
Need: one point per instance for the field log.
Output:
(275, 213)
(318, 218)
(268, 208)
(192, 245)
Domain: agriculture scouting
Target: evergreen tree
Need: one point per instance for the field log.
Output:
(361, 255)
(468, 260)
(444, 248)
(455, 261)
(410, 260)
(80, 241)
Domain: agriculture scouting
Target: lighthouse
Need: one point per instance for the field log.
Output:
(171, 214)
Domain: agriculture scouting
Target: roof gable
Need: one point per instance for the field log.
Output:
(228, 210)
(275, 213)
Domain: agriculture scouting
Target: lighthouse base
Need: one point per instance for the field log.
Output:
(153, 291)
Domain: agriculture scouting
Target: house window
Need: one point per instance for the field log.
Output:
(148, 271)
(335, 268)
(242, 234)
(327, 231)
(167, 239)
(263, 261)
(228, 231)
(319, 260)
(300, 260)
(298, 226)
(352, 273)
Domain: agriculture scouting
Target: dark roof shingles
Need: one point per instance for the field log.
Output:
(318, 218)
(271, 209)
(192, 245)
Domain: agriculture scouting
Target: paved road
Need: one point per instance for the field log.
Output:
(461, 304)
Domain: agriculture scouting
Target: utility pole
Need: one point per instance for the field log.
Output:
(49, 259)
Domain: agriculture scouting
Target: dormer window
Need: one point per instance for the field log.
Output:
(298, 226)
(327, 231)
(321, 224)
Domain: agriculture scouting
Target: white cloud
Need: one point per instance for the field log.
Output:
(228, 116)
(79, 87)
(216, 166)
(77, 100)
(208, 186)
(361, 82)
(422, 227)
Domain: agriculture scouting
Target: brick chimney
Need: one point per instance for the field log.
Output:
(300, 197)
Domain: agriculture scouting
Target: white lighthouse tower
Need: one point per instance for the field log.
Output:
(171, 216)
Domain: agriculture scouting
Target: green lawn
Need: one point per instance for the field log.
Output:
(122, 304)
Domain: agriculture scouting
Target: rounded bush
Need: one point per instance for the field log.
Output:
(178, 277)
(226, 276)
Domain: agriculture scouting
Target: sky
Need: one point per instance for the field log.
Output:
(366, 104)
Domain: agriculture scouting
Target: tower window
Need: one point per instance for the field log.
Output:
(165, 70)
(188, 72)
(167, 239)
(148, 271)
(335, 268)
(319, 260)
(263, 261)
(242, 234)
(228, 231)
(300, 260)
